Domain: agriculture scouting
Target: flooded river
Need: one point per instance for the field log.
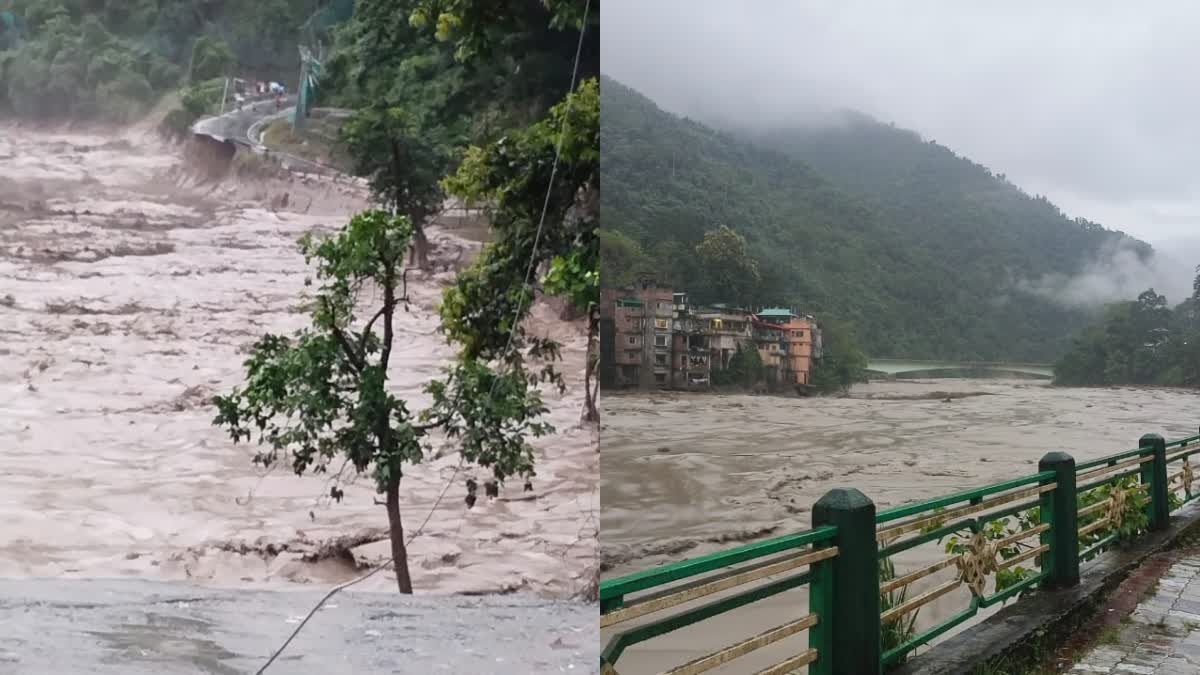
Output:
(129, 294)
(683, 475)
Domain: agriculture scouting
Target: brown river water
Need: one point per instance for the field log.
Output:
(129, 293)
(688, 474)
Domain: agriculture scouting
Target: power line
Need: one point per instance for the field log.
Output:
(508, 345)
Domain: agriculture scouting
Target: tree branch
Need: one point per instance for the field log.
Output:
(362, 341)
(356, 360)
(389, 308)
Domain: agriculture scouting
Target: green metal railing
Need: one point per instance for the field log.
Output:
(719, 572)
(998, 542)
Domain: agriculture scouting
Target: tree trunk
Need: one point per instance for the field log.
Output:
(399, 549)
(590, 413)
(418, 254)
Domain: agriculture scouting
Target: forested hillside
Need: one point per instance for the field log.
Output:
(922, 251)
(112, 59)
(1141, 341)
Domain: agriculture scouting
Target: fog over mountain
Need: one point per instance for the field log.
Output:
(1086, 103)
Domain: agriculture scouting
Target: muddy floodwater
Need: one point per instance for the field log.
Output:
(130, 291)
(687, 474)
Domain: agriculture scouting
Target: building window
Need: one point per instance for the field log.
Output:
(660, 340)
(660, 359)
(664, 305)
(660, 324)
(632, 340)
(660, 378)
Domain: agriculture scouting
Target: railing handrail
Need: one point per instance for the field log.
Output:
(665, 574)
(1184, 441)
(844, 554)
(906, 510)
(1116, 457)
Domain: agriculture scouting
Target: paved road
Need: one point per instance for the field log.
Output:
(1161, 637)
(149, 628)
(234, 125)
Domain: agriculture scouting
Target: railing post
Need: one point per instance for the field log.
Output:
(820, 603)
(1059, 508)
(851, 618)
(1155, 473)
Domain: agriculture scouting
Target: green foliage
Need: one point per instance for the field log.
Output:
(196, 100)
(110, 60)
(513, 175)
(391, 148)
(480, 29)
(322, 394)
(1134, 521)
(745, 369)
(1134, 517)
(920, 250)
(211, 57)
(732, 275)
(1137, 342)
(77, 68)
(842, 362)
(895, 633)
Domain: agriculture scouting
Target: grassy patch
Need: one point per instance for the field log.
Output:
(317, 142)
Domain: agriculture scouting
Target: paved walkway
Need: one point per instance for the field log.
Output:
(1160, 637)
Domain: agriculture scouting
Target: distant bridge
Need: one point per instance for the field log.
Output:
(912, 367)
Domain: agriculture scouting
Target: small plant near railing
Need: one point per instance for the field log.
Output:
(1133, 519)
(898, 632)
(995, 530)
(999, 529)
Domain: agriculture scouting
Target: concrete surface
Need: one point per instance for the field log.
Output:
(234, 125)
(1160, 637)
(135, 627)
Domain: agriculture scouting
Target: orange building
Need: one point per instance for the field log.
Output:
(801, 342)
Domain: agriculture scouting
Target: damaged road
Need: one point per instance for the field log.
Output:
(146, 628)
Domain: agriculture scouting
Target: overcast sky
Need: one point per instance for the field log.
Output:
(1094, 104)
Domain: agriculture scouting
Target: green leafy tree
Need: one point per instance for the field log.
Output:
(731, 273)
(1143, 341)
(392, 148)
(322, 393)
(745, 368)
(621, 259)
(544, 216)
(211, 57)
(842, 362)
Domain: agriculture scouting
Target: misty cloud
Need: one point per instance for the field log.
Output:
(1092, 104)
(1116, 274)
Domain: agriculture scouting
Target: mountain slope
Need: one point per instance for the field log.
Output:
(928, 268)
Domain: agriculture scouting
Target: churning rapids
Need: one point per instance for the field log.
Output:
(683, 475)
(130, 290)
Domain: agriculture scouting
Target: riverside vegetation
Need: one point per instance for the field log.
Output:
(1141, 342)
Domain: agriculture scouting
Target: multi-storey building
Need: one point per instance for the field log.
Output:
(637, 323)
(689, 348)
(801, 338)
(652, 337)
(727, 329)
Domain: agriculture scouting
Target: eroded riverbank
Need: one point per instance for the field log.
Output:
(129, 293)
